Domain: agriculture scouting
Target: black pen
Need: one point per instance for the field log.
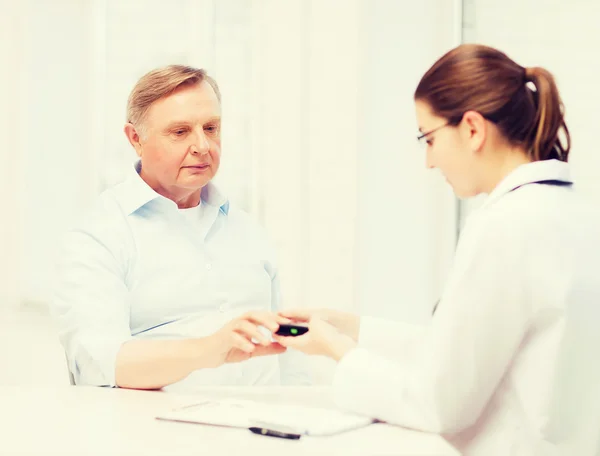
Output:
(272, 433)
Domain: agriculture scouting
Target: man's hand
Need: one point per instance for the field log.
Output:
(345, 322)
(153, 364)
(322, 338)
(233, 342)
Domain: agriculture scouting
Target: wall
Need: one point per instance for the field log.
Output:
(406, 214)
(11, 111)
(318, 138)
(562, 37)
(319, 134)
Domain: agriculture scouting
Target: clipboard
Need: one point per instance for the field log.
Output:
(239, 413)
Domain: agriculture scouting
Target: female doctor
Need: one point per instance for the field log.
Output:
(498, 367)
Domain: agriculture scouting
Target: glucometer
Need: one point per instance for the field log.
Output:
(291, 330)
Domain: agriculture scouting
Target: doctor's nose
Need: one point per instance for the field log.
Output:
(429, 164)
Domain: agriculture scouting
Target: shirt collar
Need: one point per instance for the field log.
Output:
(137, 193)
(212, 195)
(529, 173)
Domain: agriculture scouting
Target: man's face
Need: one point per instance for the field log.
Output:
(180, 141)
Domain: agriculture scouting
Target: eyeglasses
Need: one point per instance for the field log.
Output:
(427, 133)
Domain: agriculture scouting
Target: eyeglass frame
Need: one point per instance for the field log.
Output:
(427, 133)
(451, 123)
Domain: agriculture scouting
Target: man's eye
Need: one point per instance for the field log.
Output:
(179, 132)
(211, 128)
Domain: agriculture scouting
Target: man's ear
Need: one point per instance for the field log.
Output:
(475, 129)
(133, 137)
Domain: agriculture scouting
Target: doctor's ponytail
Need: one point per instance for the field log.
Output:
(545, 142)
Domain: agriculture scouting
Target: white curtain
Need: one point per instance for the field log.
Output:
(11, 111)
(319, 133)
(305, 108)
(339, 180)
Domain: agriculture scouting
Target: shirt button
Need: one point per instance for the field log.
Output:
(208, 266)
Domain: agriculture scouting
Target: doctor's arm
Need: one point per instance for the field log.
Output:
(439, 378)
(460, 360)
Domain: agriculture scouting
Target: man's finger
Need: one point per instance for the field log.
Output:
(250, 331)
(272, 349)
(266, 319)
(241, 343)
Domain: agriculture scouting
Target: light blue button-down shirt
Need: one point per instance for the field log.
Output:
(137, 267)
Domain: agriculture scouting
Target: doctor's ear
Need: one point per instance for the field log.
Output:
(474, 129)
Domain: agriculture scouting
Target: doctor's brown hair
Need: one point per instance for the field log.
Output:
(478, 78)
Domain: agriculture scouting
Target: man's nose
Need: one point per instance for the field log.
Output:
(201, 145)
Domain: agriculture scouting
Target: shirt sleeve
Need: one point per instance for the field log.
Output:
(460, 358)
(91, 308)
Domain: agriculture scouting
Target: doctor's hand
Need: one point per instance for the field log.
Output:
(322, 338)
(233, 343)
(345, 322)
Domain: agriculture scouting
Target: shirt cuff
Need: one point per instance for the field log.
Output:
(95, 361)
(352, 378)
(370, 385)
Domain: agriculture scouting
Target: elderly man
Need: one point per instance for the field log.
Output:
(162, 282)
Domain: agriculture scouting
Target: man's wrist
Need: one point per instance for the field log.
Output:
(205, 352)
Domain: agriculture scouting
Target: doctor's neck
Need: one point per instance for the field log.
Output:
(500, 164)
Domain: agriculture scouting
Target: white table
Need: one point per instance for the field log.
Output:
(100, 421)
